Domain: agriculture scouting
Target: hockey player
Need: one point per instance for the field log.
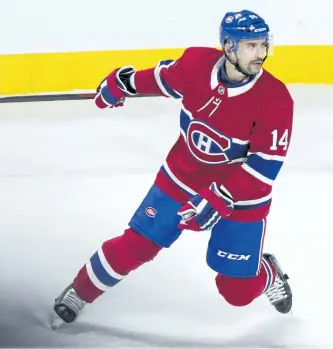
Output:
(235, 129)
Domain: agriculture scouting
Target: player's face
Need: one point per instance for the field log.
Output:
(251, 54)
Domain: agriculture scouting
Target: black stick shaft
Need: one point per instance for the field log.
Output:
(55, 97)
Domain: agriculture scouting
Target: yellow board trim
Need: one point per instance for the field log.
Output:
(68, 71)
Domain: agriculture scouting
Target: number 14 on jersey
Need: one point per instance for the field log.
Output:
(279, 141)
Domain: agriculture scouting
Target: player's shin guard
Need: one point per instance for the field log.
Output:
(242, 291)
(114, 260)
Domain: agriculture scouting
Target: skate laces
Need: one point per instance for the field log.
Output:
(73, 301)
(277, 292)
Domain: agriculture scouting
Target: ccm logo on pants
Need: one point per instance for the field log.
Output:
(235, 257)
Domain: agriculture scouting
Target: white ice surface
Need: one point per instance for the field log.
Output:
(71, 177)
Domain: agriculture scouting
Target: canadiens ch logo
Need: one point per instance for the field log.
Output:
(150, 212)
(206, 144)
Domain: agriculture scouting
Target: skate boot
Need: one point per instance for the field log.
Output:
(66, 307)
(279, 294)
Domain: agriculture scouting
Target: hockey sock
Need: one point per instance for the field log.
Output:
(114, 260)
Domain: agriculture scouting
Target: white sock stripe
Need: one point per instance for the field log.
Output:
(269, 272)
(93, 278)
(107, 266)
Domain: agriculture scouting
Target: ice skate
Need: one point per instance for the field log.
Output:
(279, 294)
(66, 308)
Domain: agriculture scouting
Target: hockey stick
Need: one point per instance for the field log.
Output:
(53, 97)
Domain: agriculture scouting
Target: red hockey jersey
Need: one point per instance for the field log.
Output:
(237, 137)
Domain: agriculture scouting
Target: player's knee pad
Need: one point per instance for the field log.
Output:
(129, 251)
(241, 291)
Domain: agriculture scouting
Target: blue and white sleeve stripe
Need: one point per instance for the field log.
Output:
(166, 90)
(264, 167)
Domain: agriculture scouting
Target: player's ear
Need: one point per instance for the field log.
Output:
(227, 48)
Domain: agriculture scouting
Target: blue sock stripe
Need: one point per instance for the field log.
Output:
(101, 274)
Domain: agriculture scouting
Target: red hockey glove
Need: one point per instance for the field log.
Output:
(205, 209)
(112, 91)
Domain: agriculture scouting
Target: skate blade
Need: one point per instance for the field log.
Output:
(56, 321)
